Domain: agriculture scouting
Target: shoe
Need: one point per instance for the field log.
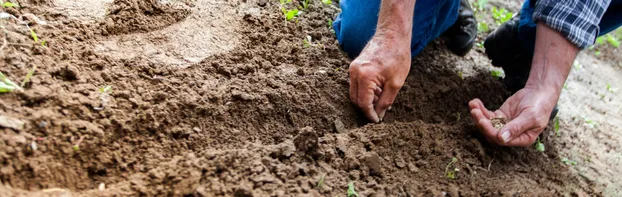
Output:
(505, 50)
(460, 37)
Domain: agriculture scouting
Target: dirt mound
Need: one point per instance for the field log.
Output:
(270, 118)
(132, 16)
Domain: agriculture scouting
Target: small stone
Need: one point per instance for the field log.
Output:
(102, 186)
(400, 163)
(12, 123)
(196, 129)
(412, 168)
(339, 126)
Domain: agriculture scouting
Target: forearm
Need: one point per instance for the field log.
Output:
(396, 16)
(552, 60)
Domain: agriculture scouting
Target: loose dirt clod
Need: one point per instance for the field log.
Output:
(306, 141)
(498, 122)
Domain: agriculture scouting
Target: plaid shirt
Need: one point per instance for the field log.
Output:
(577, 20)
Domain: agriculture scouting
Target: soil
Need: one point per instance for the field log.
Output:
(221, 98)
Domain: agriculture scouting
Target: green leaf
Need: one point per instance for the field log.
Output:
(76, 148)
(4, 88)
(290, 14)
(34, 36)
(305, 4)
(482, 27)
(29, 75)
(9, 5)
(539, 146)
(7, 81)
(43, 43)
(321, 182)
(496, 73)
(351, 191)
(106, 89)
(613, 41)
(600, 40)
(327, 2)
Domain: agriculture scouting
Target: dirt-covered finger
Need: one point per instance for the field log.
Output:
(387, 97)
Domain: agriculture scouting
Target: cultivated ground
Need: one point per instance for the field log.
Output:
(212, 98)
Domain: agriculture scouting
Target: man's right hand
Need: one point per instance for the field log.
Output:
(379, 72)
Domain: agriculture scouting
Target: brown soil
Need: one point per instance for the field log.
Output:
(268, 118)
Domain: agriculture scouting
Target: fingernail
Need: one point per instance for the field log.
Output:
(506, 136)
(381, 116)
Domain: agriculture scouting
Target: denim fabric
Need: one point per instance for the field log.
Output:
(612, 19)
(356, 24)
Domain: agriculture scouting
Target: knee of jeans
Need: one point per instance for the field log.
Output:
(352, 38)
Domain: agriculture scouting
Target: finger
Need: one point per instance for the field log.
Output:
(525, 139)
(389, 92)
(478, 104)
(366, 100)
(524, 122)
(375, 99)
(378, 91)
(488, 130)
(353, 87)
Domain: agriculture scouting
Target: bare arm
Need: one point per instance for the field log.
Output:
(379, 72)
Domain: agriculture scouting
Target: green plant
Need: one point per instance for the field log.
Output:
(29, 75)
(610, 89)
(351, 191)
(480, 44)
(539, 146)
(305, 4)
(106, 89)
(460, 75)
(597, 53)
(330, 23)
(568, 161)
(482, 27)
(496, 74)
(613, 41)
(451, 174)
(501, 15)
(320, 182)
(588, 122)
(327, 2)
(600, 40)
(9, 4)
(6, 85)
(290, 14)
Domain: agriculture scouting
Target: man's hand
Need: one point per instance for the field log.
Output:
(379, 72)
(377, 75)
(528, 110)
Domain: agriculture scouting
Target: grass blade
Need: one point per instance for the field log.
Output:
(29, 75)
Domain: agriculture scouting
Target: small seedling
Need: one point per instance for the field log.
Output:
(597, 53)
(460, 75)
(9, 5)
(327, 2)
(539, 146)
(482, 27)
(556, 126)
(566, 86)
(613, 41)
(6, 85)
(351, 190)
(290, 14)
(451, 174)
(330, 23)
(480, 44)
(305, 4)
(320, 182)
(568, 161)
(307, 42)
(29, 75)
(76, 147)
(610, 89)
(496, 73)
(589, 123)
(600, 40)
(106, 89)
(501, 15)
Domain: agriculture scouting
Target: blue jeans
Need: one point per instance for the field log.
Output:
(527, 27)
(356, 23)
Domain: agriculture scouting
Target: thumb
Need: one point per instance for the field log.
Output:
(516, 127)
(387, 97)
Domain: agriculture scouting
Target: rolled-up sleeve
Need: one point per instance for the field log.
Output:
(577, 20)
